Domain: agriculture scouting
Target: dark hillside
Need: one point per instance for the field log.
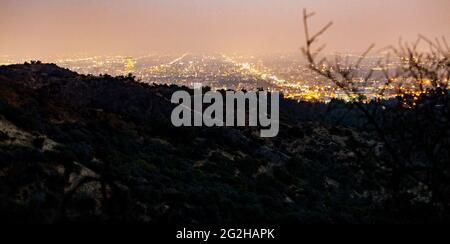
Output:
(77, 148)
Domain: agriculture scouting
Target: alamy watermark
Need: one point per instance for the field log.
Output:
(241, 109)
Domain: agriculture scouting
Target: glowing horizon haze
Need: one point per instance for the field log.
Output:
(43, 28)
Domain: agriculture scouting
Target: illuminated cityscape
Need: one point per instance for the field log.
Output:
(286, 73)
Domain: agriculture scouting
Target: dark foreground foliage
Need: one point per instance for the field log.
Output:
(79, 148)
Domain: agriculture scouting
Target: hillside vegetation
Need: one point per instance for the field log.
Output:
(76, 148)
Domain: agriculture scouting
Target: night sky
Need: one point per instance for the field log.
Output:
(134, 27)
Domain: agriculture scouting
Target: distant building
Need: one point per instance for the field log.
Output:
(128, 66)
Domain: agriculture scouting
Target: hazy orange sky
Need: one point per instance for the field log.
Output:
(133, 27)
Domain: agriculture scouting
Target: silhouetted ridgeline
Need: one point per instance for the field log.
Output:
(77, 148)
